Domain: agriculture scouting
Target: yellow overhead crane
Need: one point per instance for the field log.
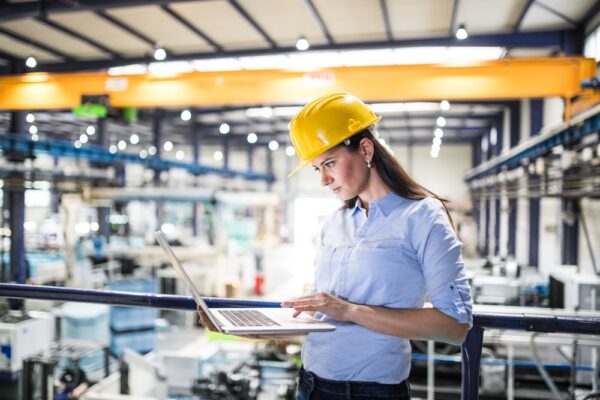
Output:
(492, 80)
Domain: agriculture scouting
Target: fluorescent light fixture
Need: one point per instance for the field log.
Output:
(122, 145)
(440, 121)
(438, 132)
(30, 118)
(33, 129)
(134, 139)
(217, 64)
(286, 111)
(132, 69)
(484, 144)
(170, 68)
(259, 112)
(83, 138)
(34, 137)
(160, 54)
(186, 115)
(31, 62)
(152, 150)
(224, 128)
(77, 144)
(445, 105)
(278, 61)
(290, 151)
(471, 54)
(355, 58)
(273, 145)
(493, 136)
(143, 153)
(252, 137)
(168, 145)
(420, 55)
(315, 59)
(112, 149)
(437, 141)
(90, 130)
(302, 44)
(461, 32)
(218, 156)
(416, 106)
(180, 154)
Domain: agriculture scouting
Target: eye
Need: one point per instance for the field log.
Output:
(316, 169)
(329, 164)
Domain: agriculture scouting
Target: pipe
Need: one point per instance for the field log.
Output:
(121, 298)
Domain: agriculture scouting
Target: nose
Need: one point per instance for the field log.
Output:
(325, 178)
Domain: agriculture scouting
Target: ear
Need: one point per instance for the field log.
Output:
(366, 149)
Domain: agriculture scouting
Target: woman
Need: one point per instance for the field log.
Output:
(390, 245)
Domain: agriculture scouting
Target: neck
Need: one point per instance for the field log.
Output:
(374, 191)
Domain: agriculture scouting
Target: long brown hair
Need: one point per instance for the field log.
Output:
(395, 177)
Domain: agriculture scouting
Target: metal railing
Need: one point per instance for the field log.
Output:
(471, 348)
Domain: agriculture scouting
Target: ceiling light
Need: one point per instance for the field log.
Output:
(286, 111)
(90, 130)
(218, 156)
(276, 61)
(438, 132)
(170, 68)
(273, 145)
(217, 64)
(112, 149)
(259, 112)
(168, 146)
(302, 44)
(33, 129)
(356, 58)
(31, 62)
(30, 118)
(290, 151)
(441, 121)
(180, 154)
(461, 32)
(83, 138)
(252, 137)
(437, 141)
(143, 153)
(152, 150)
(493, 136)
(122, 145)
(134, 139)
(34, 137)
(445, 105)
(224, 128)
(133, 69)
(77, 144)
(434, 153)
(160, 54)
(186, 115)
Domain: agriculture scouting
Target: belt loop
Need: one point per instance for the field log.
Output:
(348, 390)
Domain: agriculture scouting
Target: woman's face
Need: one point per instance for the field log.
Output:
(344, 172)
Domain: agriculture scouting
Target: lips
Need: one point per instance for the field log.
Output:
(336, 190)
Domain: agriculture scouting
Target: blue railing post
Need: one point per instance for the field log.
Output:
(471, 358)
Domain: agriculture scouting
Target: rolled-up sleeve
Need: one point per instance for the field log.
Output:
(440, 255)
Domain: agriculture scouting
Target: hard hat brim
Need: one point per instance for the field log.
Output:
(298, 167)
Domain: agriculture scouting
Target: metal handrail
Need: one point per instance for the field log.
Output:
(471, 348)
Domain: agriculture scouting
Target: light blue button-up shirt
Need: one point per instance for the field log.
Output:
(403, 251)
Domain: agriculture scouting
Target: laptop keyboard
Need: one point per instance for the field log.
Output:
(247, 318)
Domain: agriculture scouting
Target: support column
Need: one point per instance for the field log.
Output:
(104, 225)
(195, 134)
(157, 142)
(250, 157)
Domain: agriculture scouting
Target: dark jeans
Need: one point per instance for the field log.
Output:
(312, 387)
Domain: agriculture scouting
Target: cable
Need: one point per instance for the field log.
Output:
(544, 374)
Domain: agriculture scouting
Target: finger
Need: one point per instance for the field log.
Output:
(296, 313)
(288, 303)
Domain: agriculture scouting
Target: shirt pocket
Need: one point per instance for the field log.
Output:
(385, 275)
(323, 272)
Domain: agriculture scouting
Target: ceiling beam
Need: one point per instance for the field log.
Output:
(521, 18)
(548, 39)
(192, 28)
(560, 15)
(455, 6)
(252, 22)
(592, 12)
(35, 43)
(504, 79)
(30, 9)
(386, 19)
(126, 28)
(319, 21)
(78, 36)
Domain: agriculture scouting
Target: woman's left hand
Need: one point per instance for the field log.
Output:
(332, 306)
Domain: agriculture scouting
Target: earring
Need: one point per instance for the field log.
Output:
(368, 163)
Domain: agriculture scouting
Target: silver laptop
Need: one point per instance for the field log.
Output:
(246, 321)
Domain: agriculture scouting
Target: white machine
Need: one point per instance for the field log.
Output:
(573, 290)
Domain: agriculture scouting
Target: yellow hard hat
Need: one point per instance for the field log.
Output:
(325, 122)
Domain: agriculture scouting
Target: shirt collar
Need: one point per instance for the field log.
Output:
(386, 204)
